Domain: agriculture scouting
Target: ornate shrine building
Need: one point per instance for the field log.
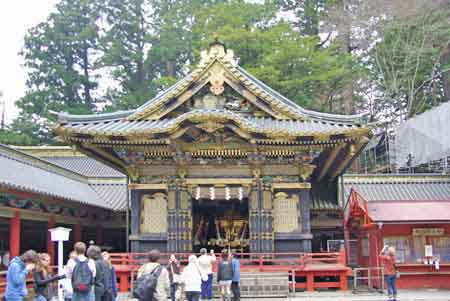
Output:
(221, 160)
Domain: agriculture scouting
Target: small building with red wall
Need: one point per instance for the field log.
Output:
(410, 212)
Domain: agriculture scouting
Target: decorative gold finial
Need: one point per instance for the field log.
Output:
(217, 49)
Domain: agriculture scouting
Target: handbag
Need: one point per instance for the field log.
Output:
(397, 274)
(203, 276)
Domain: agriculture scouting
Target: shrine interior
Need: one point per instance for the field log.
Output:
(220, 224)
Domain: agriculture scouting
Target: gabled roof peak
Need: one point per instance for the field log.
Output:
(217, 50)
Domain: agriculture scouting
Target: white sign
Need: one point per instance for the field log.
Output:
(428, 251)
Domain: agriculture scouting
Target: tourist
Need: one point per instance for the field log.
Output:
(18, 269)
(205, 262)
(235, 288)
(81, 271)
(107, 258)
(102, 282)
(163, 283)
(67, 283)
(192, 279)
(42, 276)
(387, 257)
(225, 275)
(174, 276)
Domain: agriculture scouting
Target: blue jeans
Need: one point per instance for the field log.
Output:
(39, 298)
(207, 288)
(173, 289)
(390, 281)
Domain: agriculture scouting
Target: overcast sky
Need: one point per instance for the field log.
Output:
(16, 16)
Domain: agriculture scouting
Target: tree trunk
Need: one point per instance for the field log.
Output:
(445, 61)
(170, 68)
(87, 88)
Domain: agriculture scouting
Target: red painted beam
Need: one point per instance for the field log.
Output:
(50, 243)
(14, 235)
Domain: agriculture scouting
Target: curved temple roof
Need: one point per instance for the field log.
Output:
(228, 65)
(24, 172)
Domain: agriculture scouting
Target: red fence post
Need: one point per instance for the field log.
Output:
(310, 281)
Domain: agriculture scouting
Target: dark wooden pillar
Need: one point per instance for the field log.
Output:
(135, 204)
(184, 221)
(99, 235)
(254, 220)
(14, 235)
(305, 209)
(179, 237)
(172, 218)
(50, 243)
(266, 217)
(260, 219)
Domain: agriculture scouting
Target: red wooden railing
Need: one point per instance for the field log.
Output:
(306, 265)
(297, 265)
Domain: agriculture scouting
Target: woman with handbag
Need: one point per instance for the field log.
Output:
(387, 258)
(174, 277)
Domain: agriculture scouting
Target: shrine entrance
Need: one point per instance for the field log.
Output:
(220, 224)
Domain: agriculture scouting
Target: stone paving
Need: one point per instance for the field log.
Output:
(404, 295)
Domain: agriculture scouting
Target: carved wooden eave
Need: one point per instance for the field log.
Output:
(218, 110)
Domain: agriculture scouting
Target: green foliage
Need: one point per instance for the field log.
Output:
(24, 132)
(275, 53)
(58, 57)
(407, 63)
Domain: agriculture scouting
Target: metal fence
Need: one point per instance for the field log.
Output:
(368, 279)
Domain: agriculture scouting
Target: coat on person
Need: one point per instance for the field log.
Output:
(225, 271)
(41, 283)
(236, 265)
(192, 276)
(16, 288)
(103, 281)
(163, 284)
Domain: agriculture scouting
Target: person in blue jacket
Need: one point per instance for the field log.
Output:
(235, 289)
(16, 278)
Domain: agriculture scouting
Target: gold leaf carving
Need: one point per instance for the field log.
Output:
(285, 213)
(154, 213)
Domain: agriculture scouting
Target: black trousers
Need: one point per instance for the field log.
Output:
(236, 290)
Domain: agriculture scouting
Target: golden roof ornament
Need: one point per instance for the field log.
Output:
(218, 50)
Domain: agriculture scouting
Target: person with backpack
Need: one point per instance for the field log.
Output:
(102, 281)
(107, 258)
(42, 276)
(81, 271)
(225, 276)
(152, 283)
(192, 279)
(16, 278)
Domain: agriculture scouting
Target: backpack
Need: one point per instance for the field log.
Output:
(145, 286)
(82, 278)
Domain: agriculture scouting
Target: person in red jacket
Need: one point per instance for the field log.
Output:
(387, 258)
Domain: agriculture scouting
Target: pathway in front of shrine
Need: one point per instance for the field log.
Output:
(404, 295)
